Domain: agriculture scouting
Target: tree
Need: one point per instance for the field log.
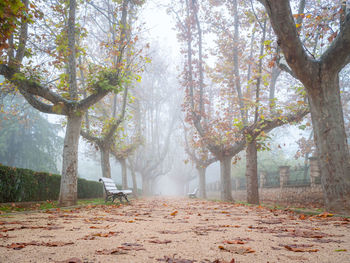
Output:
(230, 129)
(103, 130)
(201, 158)
(27, 139)
(320, 77)
(65, 101)
(121, 150)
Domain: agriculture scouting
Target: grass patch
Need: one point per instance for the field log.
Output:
(45, 205)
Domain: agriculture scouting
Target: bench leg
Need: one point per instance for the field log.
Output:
(126, 198)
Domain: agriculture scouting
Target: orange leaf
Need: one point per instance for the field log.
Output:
(174, 213)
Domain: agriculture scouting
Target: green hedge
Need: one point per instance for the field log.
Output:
(20, 185)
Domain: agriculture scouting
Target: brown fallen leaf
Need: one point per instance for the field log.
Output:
(300, 248)
(168, 232)
(240, 242)
(223, 261)
(131, 246)
(302, 217)
(237, 250)
(325, 215)
(157, 241)
(70, 260)
(56, 244)
(115, 251)
(21, 245)
(7, 229)
(94, 235)
(16, 246)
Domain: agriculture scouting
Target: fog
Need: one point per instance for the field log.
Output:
(160, 112)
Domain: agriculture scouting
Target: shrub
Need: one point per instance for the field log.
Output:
(19, 185)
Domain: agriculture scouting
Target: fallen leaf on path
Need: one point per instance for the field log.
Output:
(115, 251)
(16, 246)
(7, 229)
(55, 244)
(301, 248)
(325, 215)
(240, 242)
(157, 241)
(20, 245)
(340, 250)
(174, 213)
(237, 250)
(302, 217)
(108, 234)
(168, 232)
(223, 261)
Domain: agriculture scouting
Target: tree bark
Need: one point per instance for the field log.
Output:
(134, 183)
(202, 184)
(68, 190)
(105, 164)
(330, 138)
(225, 172)
(124, 174)
(252, 173)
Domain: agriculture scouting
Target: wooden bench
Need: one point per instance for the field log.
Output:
(112, 192)
(193, 194)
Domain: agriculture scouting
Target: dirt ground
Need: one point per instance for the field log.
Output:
(173, 230)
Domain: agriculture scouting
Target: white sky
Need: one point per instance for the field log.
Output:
(160, 26)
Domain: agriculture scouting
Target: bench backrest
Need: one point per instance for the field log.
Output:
(109, 184)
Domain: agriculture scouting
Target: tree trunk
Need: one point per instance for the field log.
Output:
(330, 138)
(225, 172)
(68, 190)
(252, 173)
(124, 174)
(145, 185)
(306, 166)
(134, 182)
(105, 164)
(202, 184)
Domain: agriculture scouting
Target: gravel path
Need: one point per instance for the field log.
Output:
(173, 230)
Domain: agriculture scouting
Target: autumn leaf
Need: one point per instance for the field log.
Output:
(115, 251)
(174, 213)
(56, 244)
(237, 250)
(300, 248)
(156, 241)
(16, 246)
(325, 215)
(302, 217)
(234, 242)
